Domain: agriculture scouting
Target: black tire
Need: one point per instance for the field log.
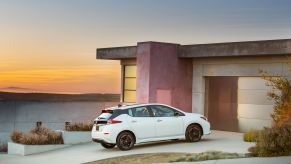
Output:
(125, 141)
(193, 133)
(108, 145)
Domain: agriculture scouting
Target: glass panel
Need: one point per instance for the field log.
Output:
(130, 71)
(105, 116)
(162, 111)
(140, 112)
(129, 96)
(130, 112)
(130, 84)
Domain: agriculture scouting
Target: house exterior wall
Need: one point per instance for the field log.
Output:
(168, 73)
(163, 77)
(248, 69)
(143, 73)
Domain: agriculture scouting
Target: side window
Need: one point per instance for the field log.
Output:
(162, 111)
(139, 112)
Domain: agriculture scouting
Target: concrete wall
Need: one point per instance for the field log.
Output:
(23, 115)
(243, 67)
(163, 77)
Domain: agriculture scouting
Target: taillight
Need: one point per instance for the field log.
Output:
(111, 121)
(204, 118)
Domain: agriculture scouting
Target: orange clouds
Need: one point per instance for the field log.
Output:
(57, 74)
(65, 79)
(53, 66)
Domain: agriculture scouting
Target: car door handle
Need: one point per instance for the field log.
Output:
(159, 120)
(133, 121)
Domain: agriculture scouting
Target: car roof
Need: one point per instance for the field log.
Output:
(127, 106)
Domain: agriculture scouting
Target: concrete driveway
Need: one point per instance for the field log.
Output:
(218, 140)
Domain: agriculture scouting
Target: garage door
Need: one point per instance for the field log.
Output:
(254, 108)
(222, 103)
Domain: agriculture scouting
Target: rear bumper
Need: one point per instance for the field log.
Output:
(102, 138)
(98, 140)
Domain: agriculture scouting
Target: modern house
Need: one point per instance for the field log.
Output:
(220, 80)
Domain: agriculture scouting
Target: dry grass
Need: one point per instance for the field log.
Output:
(79, 126)
(168, 157)
(33, 139)
(40, 131)
(37, 136)
(15, 136)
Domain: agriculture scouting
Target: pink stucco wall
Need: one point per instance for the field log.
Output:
(159, 70)
(143, 73)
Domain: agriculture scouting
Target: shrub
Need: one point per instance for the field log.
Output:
(79, 126)
(275, 141)
(15, 136)
(55, 138)
(251, 135)
(37, 136)
(282, 100)
(40, 131)
(33, 139)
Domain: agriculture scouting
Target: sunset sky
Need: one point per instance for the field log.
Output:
(50, 45)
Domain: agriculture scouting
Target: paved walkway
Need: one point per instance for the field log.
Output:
(218, 140)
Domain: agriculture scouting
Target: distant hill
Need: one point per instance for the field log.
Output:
(20, 90)
(52, 97)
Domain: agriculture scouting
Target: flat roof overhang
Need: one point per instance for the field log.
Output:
(229, 49)
(117, 53)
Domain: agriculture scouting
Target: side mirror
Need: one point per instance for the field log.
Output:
(176, 114)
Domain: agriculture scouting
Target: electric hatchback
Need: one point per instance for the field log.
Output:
(127, 125)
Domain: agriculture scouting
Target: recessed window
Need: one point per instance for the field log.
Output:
(129, 84)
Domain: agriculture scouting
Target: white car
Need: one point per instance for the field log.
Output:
(127, 125)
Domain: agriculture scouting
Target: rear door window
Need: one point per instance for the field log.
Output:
(140, 112)
(164, 111)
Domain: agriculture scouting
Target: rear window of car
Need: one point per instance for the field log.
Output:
(110, 114)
